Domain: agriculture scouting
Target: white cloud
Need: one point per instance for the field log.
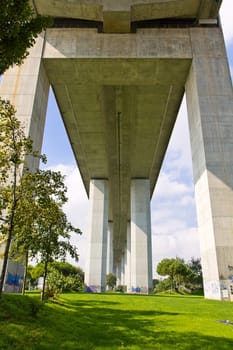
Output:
(77, 212)
(76, 208)
(184, 243)
(168, 186)
(226, 19)
(187, 200)
(168, 227)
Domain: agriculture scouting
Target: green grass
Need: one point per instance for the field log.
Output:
(110, 321)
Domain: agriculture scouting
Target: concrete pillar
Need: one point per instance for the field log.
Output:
(27, 88)
(141, 255)
(110, 248)
(118, 273)
(123, 269)
(128, 260)
(95, 277)
(210, 112)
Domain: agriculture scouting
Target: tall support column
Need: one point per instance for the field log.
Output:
(110, 248)
(118, 273)
(27, 87)
(210, 111)
(95, 277)
(141, 255)
(128, 260)
(123, 269)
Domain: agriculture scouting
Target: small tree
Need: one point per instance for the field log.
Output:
(176, 269)
(63, 276)
(69, 270)
(111, 281)
(19, 26)
(54, 238)
(196, 278)
(13, 151)
(32, 277)
(34, 188)
(43, 231)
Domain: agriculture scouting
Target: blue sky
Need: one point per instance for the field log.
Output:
(173, 213)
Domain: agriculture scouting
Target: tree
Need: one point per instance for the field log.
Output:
(33, 273)
(30, 204)
(43, 230)
(111, 281)
(19, 26)
(175, 269)
(15, 147)
(195, 265)
(54, 237)
(196, 278)
(164, 285)
(68, 270)
(63, 276)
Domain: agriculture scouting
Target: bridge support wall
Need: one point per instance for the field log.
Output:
(210, 111)
(141, 259)
(27, 87)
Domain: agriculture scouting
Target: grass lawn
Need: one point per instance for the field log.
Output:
(110, 321)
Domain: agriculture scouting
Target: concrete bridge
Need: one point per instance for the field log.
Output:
(119, 70)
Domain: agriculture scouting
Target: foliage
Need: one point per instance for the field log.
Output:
(155, 282)
(113, 321)
(111, 281)
(58, 283)
(180, 275)
(19, 26)
(55, 282)
(64, 277)
(51, 229)
(32, 278)
(120, 288)
(34, 272)
(30, 203)
(163, 285)
(43, 231)
(196, 278)
(68, 270)
(15, 147)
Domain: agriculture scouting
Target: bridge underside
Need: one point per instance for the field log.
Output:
(119, 114)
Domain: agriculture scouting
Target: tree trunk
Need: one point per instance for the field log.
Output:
(10, 231)
(44, 279)
(4, 265)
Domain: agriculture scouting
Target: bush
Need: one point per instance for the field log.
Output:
(163, 285)
(58, 283)
(34, 306)
(120, 289)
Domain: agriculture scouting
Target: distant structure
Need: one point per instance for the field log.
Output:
(119, 70)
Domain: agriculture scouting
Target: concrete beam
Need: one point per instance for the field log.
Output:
(125, 11)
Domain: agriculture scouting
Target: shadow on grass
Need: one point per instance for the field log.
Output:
(99, 324)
